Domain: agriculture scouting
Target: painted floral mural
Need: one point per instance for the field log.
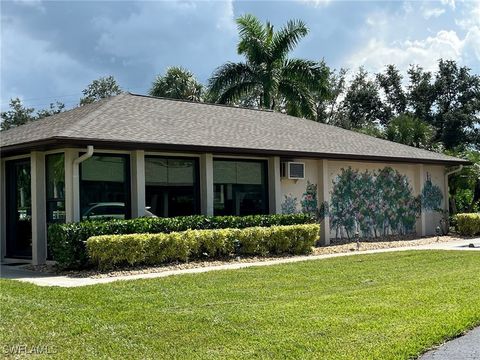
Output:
(309, 199)
(308, 204)
(372, 204)
(289, 204)
(432, 196)
(369, 203)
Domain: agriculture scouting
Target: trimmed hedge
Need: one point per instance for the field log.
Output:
(67, 241)
(468, 224)
(107, 251)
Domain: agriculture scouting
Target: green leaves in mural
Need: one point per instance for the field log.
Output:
(309, 199)
(432, 196)
(372, 203)
(289, 204)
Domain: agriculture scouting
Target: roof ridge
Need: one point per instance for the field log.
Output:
(203, 103)
(82, 121)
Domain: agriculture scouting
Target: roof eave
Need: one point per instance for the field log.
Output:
(57, 142)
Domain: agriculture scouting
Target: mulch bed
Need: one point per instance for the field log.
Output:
(338, 246)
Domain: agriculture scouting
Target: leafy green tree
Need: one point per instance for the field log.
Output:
(409, 130)
(327, 100)
(362, 105)
(420, 93)
(177, 83)
(464, 186)
(55, 108)
(457, 104)
(390, 82)
(268, 75)
(99, 89)
(17, 115)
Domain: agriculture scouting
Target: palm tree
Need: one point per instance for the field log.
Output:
(177, 83)
(268, 78)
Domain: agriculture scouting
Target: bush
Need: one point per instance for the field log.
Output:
(468, 224)
(67, 241)
(106, 251)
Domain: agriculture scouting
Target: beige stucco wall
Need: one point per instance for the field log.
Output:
(296, 188)
(320, 172)
(437, 175)
(415, 173)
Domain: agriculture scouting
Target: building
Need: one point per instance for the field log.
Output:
(133, 155)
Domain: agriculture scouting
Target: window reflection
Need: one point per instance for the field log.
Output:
(239, 187)
(105, 187)
(55, 181)
(171, 186)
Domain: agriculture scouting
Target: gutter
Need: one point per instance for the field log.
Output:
(76, 181)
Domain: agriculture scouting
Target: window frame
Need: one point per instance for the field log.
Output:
(196, 178)
(127, 183)
(265, 185)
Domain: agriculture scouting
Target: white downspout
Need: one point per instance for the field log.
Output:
(447, 198)
(76, 181)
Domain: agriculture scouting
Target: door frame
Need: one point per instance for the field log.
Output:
(11, 250)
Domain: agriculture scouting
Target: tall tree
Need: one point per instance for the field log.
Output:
(457, 104)
(395, 99)
(177, 83)
(17, 115)
(327, 101)
(362, 106)
(409, 130)
(55, 108)
(464, 186)
(99, 89)
(268, 75)
(420, 93)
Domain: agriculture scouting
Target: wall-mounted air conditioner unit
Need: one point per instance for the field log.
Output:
(293, 170)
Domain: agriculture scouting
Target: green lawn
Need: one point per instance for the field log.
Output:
(380, 306)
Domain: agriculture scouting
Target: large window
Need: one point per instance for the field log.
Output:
(19, 208)
(55, 182)
(171, 186)
(240, 187)
(105, 187)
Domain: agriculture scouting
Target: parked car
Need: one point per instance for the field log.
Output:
(108, 210)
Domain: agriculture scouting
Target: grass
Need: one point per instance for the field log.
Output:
(378, 306)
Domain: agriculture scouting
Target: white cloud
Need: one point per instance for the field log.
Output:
(316, 3)
(432, 12)
(384, 46)
(426, 52)
(31, 3)
(469, 17)
(450, 3)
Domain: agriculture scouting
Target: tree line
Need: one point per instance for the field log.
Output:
(437, 110)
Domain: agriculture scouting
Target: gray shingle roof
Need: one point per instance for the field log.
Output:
(155, 122)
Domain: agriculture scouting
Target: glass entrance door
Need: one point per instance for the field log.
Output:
(19, 210)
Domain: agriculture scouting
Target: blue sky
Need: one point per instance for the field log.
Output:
(52, 50)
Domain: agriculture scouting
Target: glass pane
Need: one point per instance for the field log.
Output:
(240, 187)
(105, 183)
(156, 170)
(104, 168)
(18, 211)
(55, 172)
(171, 186)
(224, 172)
(180, 171)
(55, 212)
(249, 173)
